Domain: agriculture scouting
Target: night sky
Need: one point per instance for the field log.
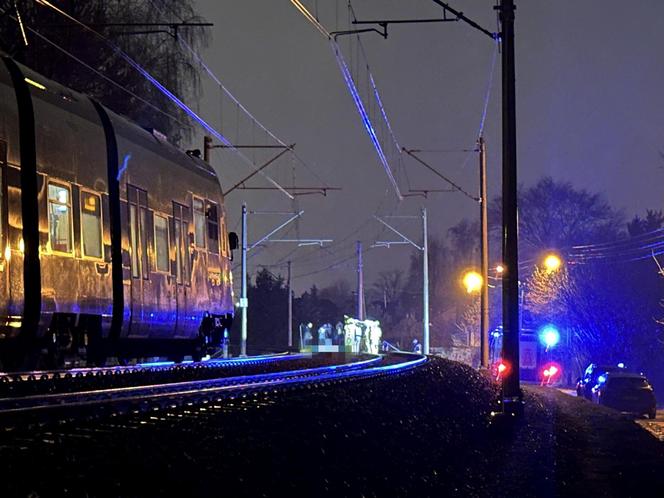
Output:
(589, 110)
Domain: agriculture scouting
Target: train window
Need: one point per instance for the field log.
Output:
(91, 225)
(145, 263)
(181, 239)
(161, 242)
(199, 222)
(133, 239)
(177, 228)
(59, 217)
(213, 227)
(185, 253)
(2, 205)
(138, 231)
(3, 164)
(224, 238)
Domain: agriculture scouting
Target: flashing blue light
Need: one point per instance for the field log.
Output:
(601, 379)
(621, 365)
(549, 336)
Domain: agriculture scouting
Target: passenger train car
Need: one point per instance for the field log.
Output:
(112, 241)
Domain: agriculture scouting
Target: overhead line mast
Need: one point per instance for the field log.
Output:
(512, 396)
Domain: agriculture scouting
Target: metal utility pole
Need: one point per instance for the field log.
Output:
(512, 396)
(484, 296)
(425, 267)
(511, 387)
(246, 247)
(290, 308)
(243, 297)
(425, 284)
(360, 283)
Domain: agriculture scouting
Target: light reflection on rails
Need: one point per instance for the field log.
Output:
(141, 367)
(142, 397)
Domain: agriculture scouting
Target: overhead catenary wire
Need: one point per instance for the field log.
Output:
(363, 109)
(102, 75)
(225, 91)
(366, 121)
(165, 91)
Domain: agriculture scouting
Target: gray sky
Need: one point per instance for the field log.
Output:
(590, 110)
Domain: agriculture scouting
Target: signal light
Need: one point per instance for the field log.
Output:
(551, 372)
(501, 368)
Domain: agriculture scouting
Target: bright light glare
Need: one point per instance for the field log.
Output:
(552, 262)
(34, 83)
(549, 336)
(551, 372)
(500, 269)
(472, 281)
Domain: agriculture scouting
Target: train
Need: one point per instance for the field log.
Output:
(113, 242)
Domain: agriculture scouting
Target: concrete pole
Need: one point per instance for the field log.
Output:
(512, 395)
(425, 283)
(243, 299)
(484, 297)
(360, 283)
(290, 309)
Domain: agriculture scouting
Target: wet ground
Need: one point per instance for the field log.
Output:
(424, 433)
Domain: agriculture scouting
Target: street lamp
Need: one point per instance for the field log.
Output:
(552, 263)
(472, 281)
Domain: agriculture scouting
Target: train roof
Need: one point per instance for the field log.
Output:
(75, 102)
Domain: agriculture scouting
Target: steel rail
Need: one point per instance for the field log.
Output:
(174, 387)
(143, 367)
(135, 400)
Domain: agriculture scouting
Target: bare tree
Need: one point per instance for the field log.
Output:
(157, 50)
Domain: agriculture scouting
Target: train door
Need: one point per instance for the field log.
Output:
(140, 271)
(182, 265)
(4, 240)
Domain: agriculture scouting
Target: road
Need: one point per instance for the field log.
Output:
(654, 427)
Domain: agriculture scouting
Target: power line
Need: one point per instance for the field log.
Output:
(111, 81)
(165, 91)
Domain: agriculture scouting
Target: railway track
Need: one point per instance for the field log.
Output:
(152, 366)
(44, 408)
(89, 379)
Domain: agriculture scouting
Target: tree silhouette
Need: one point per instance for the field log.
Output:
(158, 52)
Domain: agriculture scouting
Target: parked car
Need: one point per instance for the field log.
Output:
(626, 392)
(585, 384)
